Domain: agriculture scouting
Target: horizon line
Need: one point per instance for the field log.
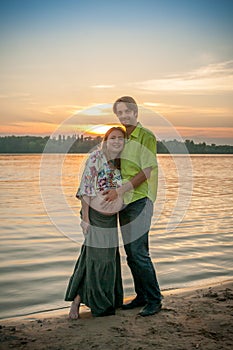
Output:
(101, 135)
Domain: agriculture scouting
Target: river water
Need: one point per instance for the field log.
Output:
(190, 237)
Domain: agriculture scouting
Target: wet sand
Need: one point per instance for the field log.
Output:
(199, 318)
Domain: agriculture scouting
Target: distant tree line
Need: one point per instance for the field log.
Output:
(81, 144)
(35, 144)
(189, 146)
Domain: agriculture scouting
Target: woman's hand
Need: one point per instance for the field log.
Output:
(85, 227)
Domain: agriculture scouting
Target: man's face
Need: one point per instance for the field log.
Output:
(126, 116)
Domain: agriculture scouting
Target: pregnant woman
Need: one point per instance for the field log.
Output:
(96, 280)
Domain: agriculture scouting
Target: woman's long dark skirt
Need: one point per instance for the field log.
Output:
(97, 273)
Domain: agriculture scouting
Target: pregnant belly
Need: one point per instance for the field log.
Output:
(108, 208)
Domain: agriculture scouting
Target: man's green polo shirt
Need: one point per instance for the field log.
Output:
(140, 153)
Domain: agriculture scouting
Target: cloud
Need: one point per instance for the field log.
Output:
(76, 111)
(213, 78)
(103, 86)
(176, 109)
(96, 114)
(23, 95)
(153, 104)
(55, 110)
(216, 134)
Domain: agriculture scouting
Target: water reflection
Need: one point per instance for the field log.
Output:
(37, 259)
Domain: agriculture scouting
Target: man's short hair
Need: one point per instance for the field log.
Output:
(130, 103)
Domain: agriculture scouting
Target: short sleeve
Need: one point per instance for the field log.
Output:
(87, 186)
(148, 152)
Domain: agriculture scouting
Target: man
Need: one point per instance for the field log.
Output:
(140, 177)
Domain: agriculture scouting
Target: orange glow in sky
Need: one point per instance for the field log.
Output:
(178, 62)
(100, 129)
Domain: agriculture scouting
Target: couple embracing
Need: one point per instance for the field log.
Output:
(119, 180)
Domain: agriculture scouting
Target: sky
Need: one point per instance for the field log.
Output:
(64, 62)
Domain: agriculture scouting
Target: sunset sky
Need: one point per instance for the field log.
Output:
(66, 58)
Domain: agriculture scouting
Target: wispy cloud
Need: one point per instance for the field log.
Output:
(177, 109)
(17, 95)
(58, 110)
(103, 86)
(206, 131)
(213, 78)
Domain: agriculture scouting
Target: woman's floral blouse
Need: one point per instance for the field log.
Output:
(98, 176)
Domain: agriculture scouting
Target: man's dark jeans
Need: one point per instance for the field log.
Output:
(135, 220)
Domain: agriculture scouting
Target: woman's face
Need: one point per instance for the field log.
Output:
(115, 142)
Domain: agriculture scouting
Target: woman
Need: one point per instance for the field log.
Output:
(96, 280)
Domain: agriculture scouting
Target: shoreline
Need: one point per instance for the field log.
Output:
(61, 310)
(64, 310)
(191, 318)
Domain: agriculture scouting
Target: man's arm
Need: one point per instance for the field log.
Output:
(135, 181)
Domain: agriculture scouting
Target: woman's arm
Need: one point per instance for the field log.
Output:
(85, 223)
(137, 180)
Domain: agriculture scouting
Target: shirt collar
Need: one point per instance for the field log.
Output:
(135, 132)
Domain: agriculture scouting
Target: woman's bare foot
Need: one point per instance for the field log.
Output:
(74, 308)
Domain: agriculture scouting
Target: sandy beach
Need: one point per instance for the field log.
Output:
(191, 318)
